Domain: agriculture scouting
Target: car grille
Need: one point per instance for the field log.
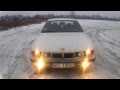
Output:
(68, 55)
(65, 55)
(56, 55)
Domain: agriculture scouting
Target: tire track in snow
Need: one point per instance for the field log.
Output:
(13, 47)
(102, 59)
(17, 63)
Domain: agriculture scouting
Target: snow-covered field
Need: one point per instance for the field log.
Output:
(15, 46)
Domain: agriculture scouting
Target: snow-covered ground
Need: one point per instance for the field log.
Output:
(15, 46)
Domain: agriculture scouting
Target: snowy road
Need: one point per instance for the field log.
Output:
(15, 47)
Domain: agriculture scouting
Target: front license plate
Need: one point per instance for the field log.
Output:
(63, 65)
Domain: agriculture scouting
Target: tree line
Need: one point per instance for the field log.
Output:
(7, 22)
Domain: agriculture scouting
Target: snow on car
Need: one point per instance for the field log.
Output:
(62, 44)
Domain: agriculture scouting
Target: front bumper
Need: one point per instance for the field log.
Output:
(50, 61)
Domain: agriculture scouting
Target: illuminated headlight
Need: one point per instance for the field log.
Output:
(36, 53)
(88, 52)
(40, 63)
(85, 64)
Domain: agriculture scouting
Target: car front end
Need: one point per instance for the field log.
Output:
(62, 60)
(62, 45)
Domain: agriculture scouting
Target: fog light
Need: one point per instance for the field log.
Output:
(40, 63)
(85, 64)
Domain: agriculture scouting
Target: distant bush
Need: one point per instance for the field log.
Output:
(7, 22)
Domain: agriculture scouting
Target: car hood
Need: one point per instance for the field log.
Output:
(70, 42)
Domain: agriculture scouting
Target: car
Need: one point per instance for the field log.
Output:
(62, 44)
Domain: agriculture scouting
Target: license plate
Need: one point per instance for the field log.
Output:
(63, 65)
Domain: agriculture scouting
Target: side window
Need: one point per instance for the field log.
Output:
(45, 28)
(77, 26)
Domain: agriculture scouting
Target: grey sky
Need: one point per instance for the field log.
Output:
(31, 13)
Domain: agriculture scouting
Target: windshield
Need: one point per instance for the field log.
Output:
(62, 26)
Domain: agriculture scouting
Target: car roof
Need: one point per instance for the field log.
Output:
(62, 19)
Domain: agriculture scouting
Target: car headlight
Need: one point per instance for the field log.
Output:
(36, 53)
(88, 52)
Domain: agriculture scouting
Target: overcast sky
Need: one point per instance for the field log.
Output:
(31, 13)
